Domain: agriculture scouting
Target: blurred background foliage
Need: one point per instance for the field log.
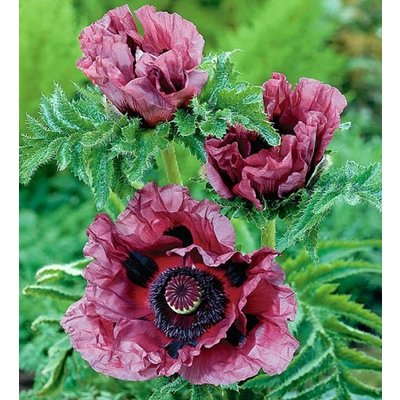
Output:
(336, 41)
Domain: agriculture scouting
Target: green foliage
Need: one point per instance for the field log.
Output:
(51, 292)
(351, 183)
(338, 336)
(58, 282)
(203, 392)
(48, 50)
(165, 388)
(56, 272)
(284, 39)
(55, 368)
(224, 101)
(107, 151)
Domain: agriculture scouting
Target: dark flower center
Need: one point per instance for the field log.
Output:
(186, 302)
(183, 294)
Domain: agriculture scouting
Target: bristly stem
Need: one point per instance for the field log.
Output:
(171, 165)
(268, 234)
(116, 202)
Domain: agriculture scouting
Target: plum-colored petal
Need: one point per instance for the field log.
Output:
(242, 164)
(144, 99)
(268, 345)
(164, 31)
(165, 246)
(174, 215)
(310, 96)
(149, 76)
(127, 350)
(276, 93)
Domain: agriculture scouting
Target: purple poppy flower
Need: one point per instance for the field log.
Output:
(150, 75)
(241, 164)
(167, 293)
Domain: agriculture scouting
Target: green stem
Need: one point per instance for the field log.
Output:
(268, 234)
(116, 202)
(171, 165)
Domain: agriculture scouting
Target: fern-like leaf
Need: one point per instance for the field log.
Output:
(106, 150)
(352, 183)
(331, 330)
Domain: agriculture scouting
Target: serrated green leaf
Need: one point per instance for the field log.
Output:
(102, 174)
(195, 146)
(146, 145)
(49, 117)
(336, 185)
(56, 368)
(331, 272)
(202, 392)
(341, 304)
(233, 386)
(50, 292)
(213, 127)
(318, 390)
(38, 130)
(165, 389)
(79, 134)
(331, 349)
(42, 320)
(334, 250)
(357, 360)
(185, 122)
(226, 101)
(58, 271)
(31, 159)
(221, 73)
(359, 387)
(351, 333)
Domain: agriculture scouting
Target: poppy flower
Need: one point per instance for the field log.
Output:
(242, 164)
(150, 75)
(167, 293)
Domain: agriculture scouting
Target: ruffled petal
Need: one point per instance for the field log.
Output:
(177, 218)
(268, 345)
(149, 76)
(164, 31)
(276, 95)
(127, 350)
(144, 99)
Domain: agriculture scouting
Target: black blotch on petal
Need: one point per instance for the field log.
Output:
(140, 268)
(235, 272)
(234, 336)
(182, 233)
(173, 348)
(252, 321)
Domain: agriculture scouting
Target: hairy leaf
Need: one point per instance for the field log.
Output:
(106, 150)
(352, 183)
(331, 330)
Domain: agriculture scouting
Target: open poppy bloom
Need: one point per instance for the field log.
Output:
(167, 293)
(242, 164)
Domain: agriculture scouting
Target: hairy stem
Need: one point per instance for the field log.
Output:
(171, 165)
(268, 234)
(116, 202)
